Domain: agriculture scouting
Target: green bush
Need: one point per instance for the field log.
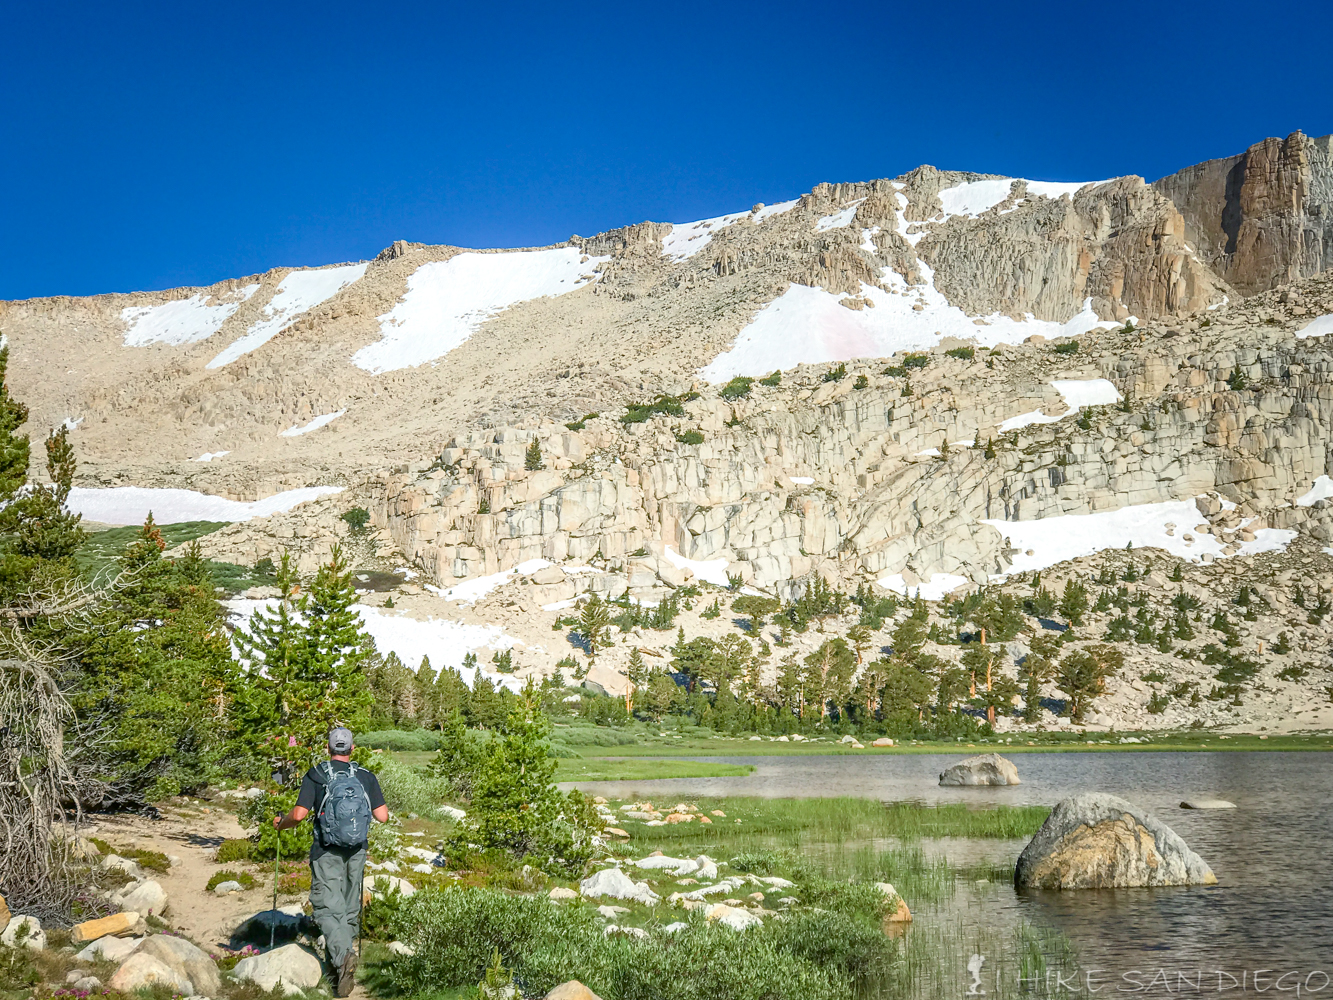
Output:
(295, 843)
(637, 413)
(225, 875)
(690, 437)
(357, 518)
(412, 789)
(234, 850)
(455, 933)
(737, 388)
(861, 382)
(916, 361)
(966, 353)
(773, 381)
(836, 374)
(1069, 347)
(400, 740)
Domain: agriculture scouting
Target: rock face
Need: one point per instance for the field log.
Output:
(1097, 841)
(983, 769)
(295, 967)
(1264, 217)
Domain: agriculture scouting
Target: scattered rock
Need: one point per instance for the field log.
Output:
(229, 886)
(147, 897)
(1096, 841)
(140, 971)
(560, 892)
(378, 885)
(883, 741)
(295, 966)
(109, 948)
(24, 930)
(901, 914)
(610, 912)
(616, 884)
(983, 769)
(115, 863)
(732, 916)
(4, 911)
(88, 984)
(1207, 804)
(453, 812)
(401, 948)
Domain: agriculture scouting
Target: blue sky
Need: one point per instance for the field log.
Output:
(153, 145)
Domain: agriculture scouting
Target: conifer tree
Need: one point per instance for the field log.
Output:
(423, 693)
(636, 674)
(532, 458)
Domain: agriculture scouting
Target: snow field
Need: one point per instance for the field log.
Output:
(473, 590)
(840, 219)
(687, 238)
(708, 570)
(1058, 539)
(132, 504)
(208, 456)
(768, 211)
(185, 321)
(296, 293)
(447, 301)
(314, 425)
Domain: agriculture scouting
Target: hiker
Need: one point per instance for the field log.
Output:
(343, 798)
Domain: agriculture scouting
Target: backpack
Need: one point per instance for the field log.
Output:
(344, 813)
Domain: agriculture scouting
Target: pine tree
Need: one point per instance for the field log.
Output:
(1074, 602)
(594, 624)
(636, 674)
(532, 459)
(305, 660)
(423, 686)
(451, 694)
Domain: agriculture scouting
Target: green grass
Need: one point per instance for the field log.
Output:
(613, 769)
(98, 554)
(773, 823)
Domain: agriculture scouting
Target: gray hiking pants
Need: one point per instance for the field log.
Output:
(335, 893)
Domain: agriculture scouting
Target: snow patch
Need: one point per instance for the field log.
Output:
(802, 480)
(840, 219)
(1317, 327)
(768, 211)
(1077, 394)
(185, 321)
(314, 425)
(132, 504)
(70, 424)
(708, 570)
(974, 197)
(296, 293)
(472, 591)
(447, 301)
(208, 456)
(1058, 539)
(935, 589)
(806, 325)
(1322, 490)
(687, 238)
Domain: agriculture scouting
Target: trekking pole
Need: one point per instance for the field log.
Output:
(360, 912)
(273, 924)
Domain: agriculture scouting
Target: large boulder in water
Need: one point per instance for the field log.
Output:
(983, 769)
(1095, 841)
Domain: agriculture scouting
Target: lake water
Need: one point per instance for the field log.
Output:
(1272, 908)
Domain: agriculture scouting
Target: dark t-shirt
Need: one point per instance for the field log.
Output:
(312, 795)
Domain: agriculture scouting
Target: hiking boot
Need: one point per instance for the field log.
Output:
(347, 975)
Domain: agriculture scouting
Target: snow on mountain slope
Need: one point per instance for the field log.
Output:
(1077, 393)
(808, 325)
(297, 293)
(446, 301)
(185, 321)
(314, 425)
(133, 504)
(687, 238)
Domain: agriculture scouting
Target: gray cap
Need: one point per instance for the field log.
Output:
(340, 740)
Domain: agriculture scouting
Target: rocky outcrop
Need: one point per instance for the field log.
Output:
(1096, 841)
(1262, 218)
(292, 966)
(983, 769)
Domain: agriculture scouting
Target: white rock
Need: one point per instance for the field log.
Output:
(297, 968)
(453, 812)
(560, 892)
(400, 948)
(140, 971)
(777, 883)
(29, 928)
(732, 916)
(616, 884)
(848, 739)
(222, 888)
(378, 885)
(1207, 804)
(675, 925)
(637, 932)
(88, 984)
(678, 866)
(146, 897)
(110, 949)
(423, 869)
(115, 863)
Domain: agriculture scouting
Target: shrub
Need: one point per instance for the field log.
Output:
(965, 353)
(637, 413)
(861, 382)
(225, 875)
(457, 933)
(897, 371)
(690, 437)
(411, 789)
(773, 381)
(836, 374)
(737, 388)
(357, 518)
(294, 883)
(1068, 347)
(234, 850)
(579, 424)
(259, 812)
(916, 361)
